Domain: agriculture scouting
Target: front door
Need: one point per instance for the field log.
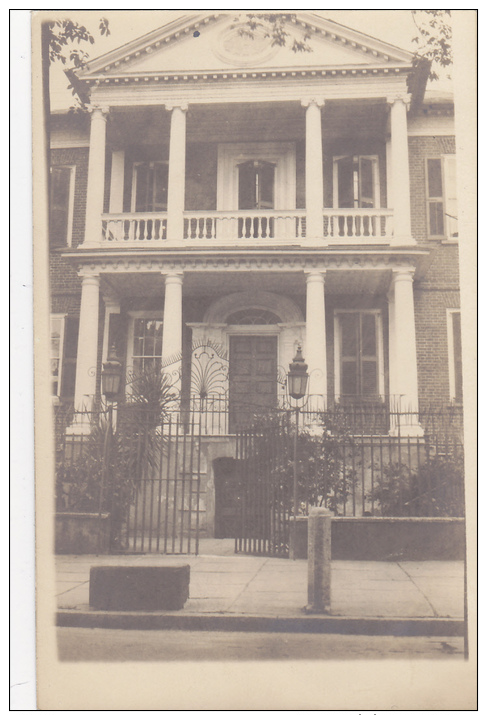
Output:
(253, 377)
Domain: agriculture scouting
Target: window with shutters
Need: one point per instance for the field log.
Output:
(356, 182)
(454, 335)
(359, 372)
(64, 348)
(150, 181)
(441, 196)
(61, 205)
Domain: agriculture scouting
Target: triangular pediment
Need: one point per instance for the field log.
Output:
(206, 43)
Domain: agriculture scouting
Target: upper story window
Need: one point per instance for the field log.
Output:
(61, 205)
(441, 198)
(256, 185)
(150, 181)
(356, 182)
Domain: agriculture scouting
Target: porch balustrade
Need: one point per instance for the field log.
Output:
(232, 227)
(363, 224)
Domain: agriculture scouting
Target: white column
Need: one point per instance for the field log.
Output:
(96, 177)
(176, 174)
(314, 170)
(405, 377)
(172, 328)
(86, 359)
(315, 354)
(399, 179)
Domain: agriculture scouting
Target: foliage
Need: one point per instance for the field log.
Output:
(275, 26)
(434, 39)
(326, 470)
(433, 489)
(63, 34)
(116, 454)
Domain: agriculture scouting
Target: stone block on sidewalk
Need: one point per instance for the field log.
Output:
(139, 588)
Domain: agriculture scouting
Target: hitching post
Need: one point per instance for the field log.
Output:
(319, 560)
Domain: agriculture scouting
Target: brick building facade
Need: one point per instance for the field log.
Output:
(256, 200)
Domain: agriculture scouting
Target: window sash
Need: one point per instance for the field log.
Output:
(61, 207)
(150, 186)
(358, 354)
(441, 198)
(356, 182)
(145, 344)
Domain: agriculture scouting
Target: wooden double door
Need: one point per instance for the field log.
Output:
(253, 377)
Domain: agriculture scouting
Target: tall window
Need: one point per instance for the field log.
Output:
(256, 185)
(455, 355)
(61, 205)
(358, 359)
(356, 182)
(64, 348)
(441, 199)
(150, 187)
(147, 345)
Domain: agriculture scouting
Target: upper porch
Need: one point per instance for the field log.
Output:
(301, 173)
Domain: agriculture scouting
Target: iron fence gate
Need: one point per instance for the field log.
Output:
(262, 525)
(163, 514)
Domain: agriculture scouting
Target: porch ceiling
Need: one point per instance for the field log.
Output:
(247, 122)
(208, 284)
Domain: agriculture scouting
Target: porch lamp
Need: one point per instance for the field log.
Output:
(111, 375)
(297, 382)
(297, 377)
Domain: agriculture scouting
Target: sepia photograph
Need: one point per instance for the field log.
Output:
(255, 360)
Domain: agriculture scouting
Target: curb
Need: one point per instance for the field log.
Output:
(262, 624)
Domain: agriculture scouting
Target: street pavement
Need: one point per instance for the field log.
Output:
(118, 645)
(242, 585)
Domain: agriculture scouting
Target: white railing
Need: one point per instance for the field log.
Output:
(363, 224)
(134, 228)
(236, 227)
(245, 225)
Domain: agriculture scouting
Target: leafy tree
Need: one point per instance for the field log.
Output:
(434, 39)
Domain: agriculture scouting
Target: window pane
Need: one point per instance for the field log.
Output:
(266, 187)
(349, 325)
(366, 183)
(369, 377)
(457, 355)
(349, 378)
(369, 338)
(436, 224)
(247, 183)
(59, 209)
(435, 182)
(345, 182)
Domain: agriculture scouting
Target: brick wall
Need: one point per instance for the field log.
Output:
(436, 288)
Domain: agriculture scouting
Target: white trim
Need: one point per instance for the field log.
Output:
(451, 353)
(337, 345)
(58, 143)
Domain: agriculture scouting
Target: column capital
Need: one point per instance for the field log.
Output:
(183, 106)
(89, 278)
(313, 101)
(403, 274)
(173, 278)
(400, 97)
(315, 276)
(99, 112)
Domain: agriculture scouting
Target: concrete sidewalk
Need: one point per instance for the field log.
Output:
(229, 591)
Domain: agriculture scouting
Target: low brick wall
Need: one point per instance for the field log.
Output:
(391, 538)
(77, 533)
